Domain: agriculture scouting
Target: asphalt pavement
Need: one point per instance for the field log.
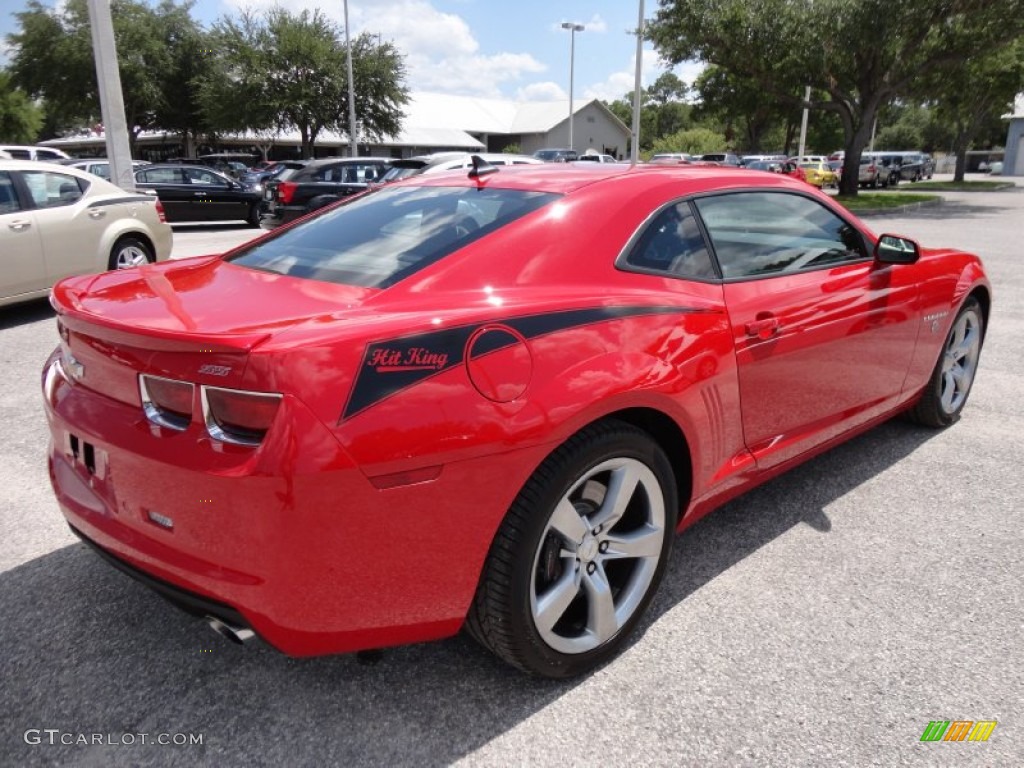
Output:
(823, 619)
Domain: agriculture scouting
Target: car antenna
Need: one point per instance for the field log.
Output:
(480, 167)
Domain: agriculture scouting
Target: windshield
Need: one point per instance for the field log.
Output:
(380, 238)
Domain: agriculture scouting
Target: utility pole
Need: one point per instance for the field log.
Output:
(635, 149)
(108, 77)
(803, 124)
(573, 28)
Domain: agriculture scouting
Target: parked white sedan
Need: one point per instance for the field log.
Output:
(57, 221)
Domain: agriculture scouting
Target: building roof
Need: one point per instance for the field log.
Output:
(431, 120)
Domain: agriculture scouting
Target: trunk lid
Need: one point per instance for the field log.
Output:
(193, 320)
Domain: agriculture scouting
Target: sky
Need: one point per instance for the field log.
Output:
(486, 48)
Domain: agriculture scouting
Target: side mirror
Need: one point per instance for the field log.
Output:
(893, 249)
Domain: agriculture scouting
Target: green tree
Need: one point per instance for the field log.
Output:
(280, 71)
(189, 49)
(695, 141)
(856, 54)
(20, 119)
(667, 88)
(974, 96)
(736, 101)
(52, 59)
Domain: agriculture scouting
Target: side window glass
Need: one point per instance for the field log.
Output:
(52, 190)
(672, 243)
(197, 176)
(768, 233)
(8, 195)
(163, 176)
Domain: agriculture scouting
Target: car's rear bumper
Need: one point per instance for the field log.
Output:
(291, 536)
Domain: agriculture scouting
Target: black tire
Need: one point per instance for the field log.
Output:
(253, 219)
(130, 251)
(587, 578)
(946, 393)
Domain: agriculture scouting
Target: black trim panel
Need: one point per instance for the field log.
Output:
(190, 602)
(120, 200)
(392, 365)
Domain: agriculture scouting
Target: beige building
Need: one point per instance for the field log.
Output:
(433, 122)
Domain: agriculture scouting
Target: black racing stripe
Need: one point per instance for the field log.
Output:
(392, 365)
(533, 326)
(495, 339)
(120, 200)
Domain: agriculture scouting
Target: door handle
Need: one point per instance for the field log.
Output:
(97, 213)
(20, 225)
(763, 328)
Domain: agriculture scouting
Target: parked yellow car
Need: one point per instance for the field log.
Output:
(820, 175)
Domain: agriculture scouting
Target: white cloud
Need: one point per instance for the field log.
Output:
(469, 75)
(596, 24)
(441, 53)
(619, 83)
(545, 91)
(419, 28)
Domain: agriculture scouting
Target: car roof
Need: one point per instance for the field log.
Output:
(345, 161)
(564, 178)
(197, 167)
(98, 185)
(36, 165)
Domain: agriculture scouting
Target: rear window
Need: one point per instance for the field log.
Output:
(380, 238)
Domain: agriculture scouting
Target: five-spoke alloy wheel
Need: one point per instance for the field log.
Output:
(946, 393)
(579, 554)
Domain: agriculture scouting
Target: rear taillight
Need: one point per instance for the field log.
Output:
(160, 211)
(235, 416)
(165, 401)
(286, 191)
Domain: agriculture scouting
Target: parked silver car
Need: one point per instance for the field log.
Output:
(57, 221)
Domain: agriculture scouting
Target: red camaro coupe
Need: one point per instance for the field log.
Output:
(486, 399)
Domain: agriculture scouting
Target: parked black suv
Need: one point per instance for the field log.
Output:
(319, 183)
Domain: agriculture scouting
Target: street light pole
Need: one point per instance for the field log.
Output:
(573, 29)
(353, 145)
(635, 149)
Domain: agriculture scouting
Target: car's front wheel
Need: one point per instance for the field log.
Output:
(947, 390)
(130, 252)
(580, 553)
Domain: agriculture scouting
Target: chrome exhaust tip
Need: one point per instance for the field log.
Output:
(237, 635)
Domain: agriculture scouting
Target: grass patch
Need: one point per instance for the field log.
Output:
(958, 186)
(877, 201)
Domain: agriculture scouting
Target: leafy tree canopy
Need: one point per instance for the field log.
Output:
(53, 59)
(857, 55)
(20, 119)
(279, 71)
